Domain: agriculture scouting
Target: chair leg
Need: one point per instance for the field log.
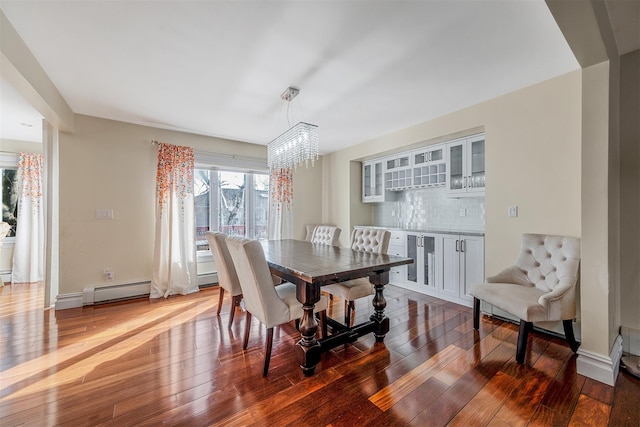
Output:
(267, 352)
(220, 299)
(476, 313)
(247, 328)
(523, 335)
(322, 320)
(235, 302)
(349, 306)
(568, 333)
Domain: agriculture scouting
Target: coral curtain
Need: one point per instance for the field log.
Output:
(174, 258)
(280, 204)
(28, 252)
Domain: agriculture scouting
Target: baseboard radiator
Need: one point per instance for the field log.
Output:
(104, 294)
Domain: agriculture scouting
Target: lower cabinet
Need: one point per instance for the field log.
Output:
(444, 265)
(462, 265)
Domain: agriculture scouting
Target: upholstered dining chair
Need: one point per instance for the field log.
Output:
(272, 305)
(4, 229)
(310, 228)
(539, 287)
(227, 276)
(373, 240)
(326, 235)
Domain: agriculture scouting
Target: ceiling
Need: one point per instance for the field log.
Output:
(364, 69)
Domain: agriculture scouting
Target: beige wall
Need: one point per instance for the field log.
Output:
(532, 156)
(307, 198)
(111, 165)
(630, 190)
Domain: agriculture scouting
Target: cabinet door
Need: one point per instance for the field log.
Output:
(455, 174)
(378, 181)
(412, 252)
(450, 265)
(429, 261)
(472, 254)
(367, 180)
(475, 164)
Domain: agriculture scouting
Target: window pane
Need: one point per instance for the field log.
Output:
(232, 220)
(10, 199)
(202, 198)
(261, 206)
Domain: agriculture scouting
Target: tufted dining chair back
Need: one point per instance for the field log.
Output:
(539, 287)
(326, 235)
(374, 240)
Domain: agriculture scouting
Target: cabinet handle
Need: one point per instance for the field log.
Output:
(457, 245)
(461, 245)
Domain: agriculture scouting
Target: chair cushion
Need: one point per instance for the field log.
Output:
(519, 300)
(351, 290)
(287, 292)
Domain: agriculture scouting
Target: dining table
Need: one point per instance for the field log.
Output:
(310, 266)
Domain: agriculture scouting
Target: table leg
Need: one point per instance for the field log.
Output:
(308, 348)
(379, 303)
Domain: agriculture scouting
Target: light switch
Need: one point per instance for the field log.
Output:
(104, 214)
(513, 211)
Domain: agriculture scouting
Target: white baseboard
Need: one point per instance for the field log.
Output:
(601, 368)
(630, 340)
(102, 294)
(65, 301)
(6, 276)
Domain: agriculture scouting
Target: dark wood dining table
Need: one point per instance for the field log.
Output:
(310, 266)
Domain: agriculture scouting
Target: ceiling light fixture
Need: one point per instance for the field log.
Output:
(297, 145)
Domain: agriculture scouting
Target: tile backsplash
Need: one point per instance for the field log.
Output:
(431, 209)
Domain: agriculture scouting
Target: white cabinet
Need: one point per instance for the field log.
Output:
(397, 247)
(398, 172)
(462, 265)
(372, 181)
(423, 274)
(429, 166)
(465, 167)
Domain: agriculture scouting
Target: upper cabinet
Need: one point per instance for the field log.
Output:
(372, 181)
(457, 164)
(429, 166)
(466, 171)
(398, 172)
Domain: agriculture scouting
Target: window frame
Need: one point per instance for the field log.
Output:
(214, 163)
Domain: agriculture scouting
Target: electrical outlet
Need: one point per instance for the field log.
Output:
(512, 211)
(108, 274)
(463, 212)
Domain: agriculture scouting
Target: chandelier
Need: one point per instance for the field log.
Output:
(295, 146)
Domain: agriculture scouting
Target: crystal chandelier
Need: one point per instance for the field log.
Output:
(297, 145)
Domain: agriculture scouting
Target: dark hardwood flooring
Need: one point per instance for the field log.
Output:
(174, 362)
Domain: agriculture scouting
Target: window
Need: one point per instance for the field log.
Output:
(9, 198)
(235, 203)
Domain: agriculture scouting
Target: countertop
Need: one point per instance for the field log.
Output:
(427, 230)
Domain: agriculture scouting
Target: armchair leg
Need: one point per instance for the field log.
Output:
(521, 349)
(220, 299)
(267, 352)
(247, 328)
(568, 332)
(476, 313)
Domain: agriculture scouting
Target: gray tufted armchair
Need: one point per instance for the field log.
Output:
(362, 239)
(539, 287)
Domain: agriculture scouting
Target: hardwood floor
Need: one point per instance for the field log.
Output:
(174, 362)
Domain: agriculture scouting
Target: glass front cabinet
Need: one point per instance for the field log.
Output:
(372, 181)
(422, 274)
(466, 166)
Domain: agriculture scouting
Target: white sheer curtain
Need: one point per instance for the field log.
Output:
(28, 252)
(174, 258)
(280, 203)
